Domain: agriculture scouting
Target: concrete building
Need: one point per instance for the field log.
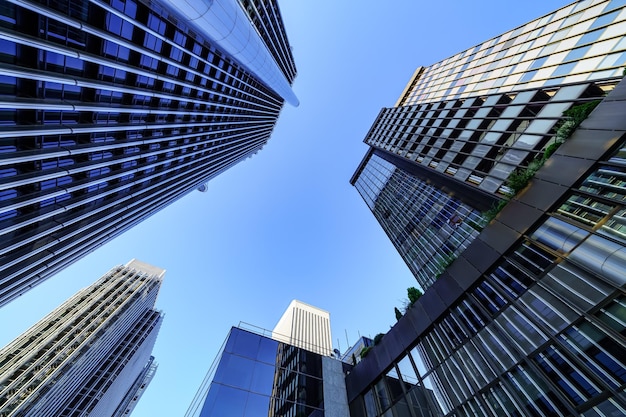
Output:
(305, 326)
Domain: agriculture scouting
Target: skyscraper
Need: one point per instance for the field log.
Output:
(445, 152)
(111, 110)
(90, 356)
(527, 317)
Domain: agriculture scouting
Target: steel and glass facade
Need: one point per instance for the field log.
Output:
(255, 375)
(111, 110)
(467, 123)
(529, 320)
(90, 356)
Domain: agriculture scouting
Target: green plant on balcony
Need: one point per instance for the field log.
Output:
(378, 338)
(398, 313)
(573, 118)
(414, 294)
(491, 214)
(365, 351)
(519, 179)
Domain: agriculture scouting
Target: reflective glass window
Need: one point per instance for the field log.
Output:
(604, 19)
(590, 37)
(604, 257)
(540, 400)
(558, 235)
(256, 405)
(614, 315)
(577, 385)
(224, 401)
(599, 347)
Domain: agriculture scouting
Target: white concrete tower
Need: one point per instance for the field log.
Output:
(306, 327)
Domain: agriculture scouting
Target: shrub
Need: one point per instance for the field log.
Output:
(491, 214)
(579, 112)
(365, 351)
(398, 313)
(414, 294)
(518, 180)
(574, 117)
(547, 153)
(378, 338)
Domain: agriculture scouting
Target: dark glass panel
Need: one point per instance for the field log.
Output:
(262, 378)
(257, 405)
(224, 401)
(598, 346)
(245, 343)
(559, 368)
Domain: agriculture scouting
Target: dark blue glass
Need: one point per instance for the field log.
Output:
(234, 370)
(244, 343)
(267, 350)
(257, 405)
(224, 401)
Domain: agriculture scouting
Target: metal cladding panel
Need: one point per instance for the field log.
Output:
(520, 216)
(479, 257)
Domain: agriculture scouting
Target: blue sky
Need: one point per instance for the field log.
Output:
(286, 223)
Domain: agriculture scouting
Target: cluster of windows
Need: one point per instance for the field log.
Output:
(427, 226)
(479, 140)
(583, 41)
(117, 102)
(52, 348)
(542, 334)
(259, 376)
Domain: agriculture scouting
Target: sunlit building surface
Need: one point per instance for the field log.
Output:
(110, 110)
(89, 357)
(444, 152)
(528, 318)
(305, 326)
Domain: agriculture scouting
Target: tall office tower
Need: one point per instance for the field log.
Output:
(305, 326)
(110, 110)
(256, 375)
(443, 154)
(90, 356)
(529, 320)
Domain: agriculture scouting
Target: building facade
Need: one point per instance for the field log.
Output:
(90, 356)
(528, 320)
(446, 151)
(305, 326)
(111, 110)
(263, 373)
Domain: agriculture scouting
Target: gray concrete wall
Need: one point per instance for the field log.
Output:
(335, 397)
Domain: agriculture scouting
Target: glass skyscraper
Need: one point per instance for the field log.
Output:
(443, 154)
(523, 314)
(92, 355)
(276, 374)
(111, 110)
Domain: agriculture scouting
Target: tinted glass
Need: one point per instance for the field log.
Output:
(257, 376)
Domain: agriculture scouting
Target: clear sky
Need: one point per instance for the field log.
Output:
(286, 224)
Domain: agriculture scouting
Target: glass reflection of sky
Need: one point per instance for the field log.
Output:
(246, 379)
